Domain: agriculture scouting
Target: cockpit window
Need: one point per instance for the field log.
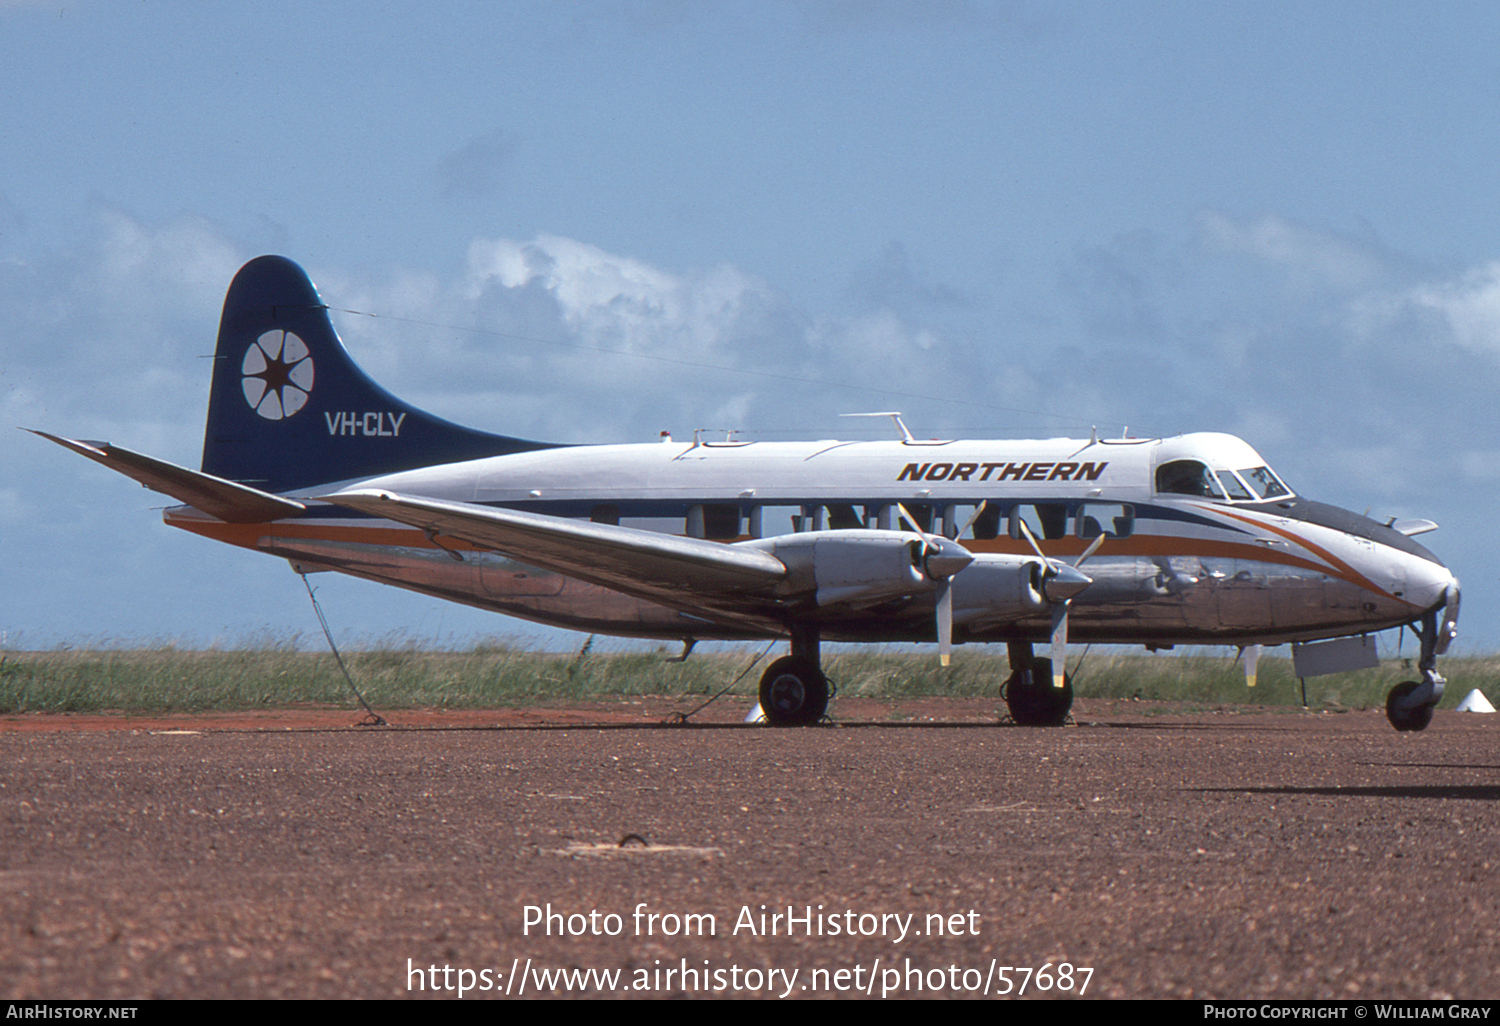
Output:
(1237, 489)
(1265, 483)
(1191, 477)
(1188, 477)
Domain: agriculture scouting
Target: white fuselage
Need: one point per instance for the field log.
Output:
(1201, 542)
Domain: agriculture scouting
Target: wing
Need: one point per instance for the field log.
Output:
(679, 572)
(231, 502)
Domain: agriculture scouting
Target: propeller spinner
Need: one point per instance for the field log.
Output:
(1060, 583)
(942, 559)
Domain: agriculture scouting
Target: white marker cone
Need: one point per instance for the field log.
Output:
(1475, 701)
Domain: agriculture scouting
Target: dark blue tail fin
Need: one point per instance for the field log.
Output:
(289, 409)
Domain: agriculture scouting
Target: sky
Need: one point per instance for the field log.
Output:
(596, 221)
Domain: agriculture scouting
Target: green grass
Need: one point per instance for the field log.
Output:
(166, 679)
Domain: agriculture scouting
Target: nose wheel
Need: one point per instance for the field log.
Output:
(1409, 705)
(1405, 708)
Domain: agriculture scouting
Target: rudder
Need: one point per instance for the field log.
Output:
(289, 408)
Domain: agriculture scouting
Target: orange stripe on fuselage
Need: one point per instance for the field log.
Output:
(1340, 569)
(1148, 546)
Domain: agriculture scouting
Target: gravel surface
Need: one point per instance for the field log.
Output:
(1141, 852)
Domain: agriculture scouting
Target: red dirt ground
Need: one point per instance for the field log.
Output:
(1186, 854)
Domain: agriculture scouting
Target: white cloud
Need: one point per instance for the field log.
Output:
(1311, 259)
(619, 301)
(1470, 305)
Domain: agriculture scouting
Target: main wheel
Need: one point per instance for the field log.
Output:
(1033, 701)
(793, 692)
(1406, 718)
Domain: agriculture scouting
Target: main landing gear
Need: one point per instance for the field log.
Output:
(1029, 691)
(793, 690)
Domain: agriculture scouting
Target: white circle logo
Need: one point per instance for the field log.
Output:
(278, 375)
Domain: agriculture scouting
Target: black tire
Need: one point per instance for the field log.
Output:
(1033, 701)
(1406, 719)
(793, 692)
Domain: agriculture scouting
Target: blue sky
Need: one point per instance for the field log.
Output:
(1022, 219)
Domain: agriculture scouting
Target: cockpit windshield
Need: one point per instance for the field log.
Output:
(1191, 477)
(1265, 483)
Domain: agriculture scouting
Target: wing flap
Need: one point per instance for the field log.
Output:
(662, 567)
(229, 501)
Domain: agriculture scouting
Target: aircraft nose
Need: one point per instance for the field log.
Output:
(1435, 589)
(1437, 586)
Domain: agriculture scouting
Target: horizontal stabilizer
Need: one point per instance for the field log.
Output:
(662, 567)
(231, 502)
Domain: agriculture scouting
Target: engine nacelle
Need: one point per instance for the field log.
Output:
(862, 567)
(996, 588)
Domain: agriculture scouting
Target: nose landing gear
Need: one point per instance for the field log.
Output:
(1409, 705)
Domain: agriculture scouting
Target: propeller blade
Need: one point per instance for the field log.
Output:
(978, 512)
(942, 558)
(1093, 548)
(1060, 644)
(910, 520)
(1032, 539)
(1252, 663)
(945, 623)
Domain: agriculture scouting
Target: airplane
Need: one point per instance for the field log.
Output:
(1192, 539)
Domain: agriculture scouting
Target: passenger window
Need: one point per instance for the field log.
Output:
(714, 521)
(1112, 520)
(1046, 520)
(981, 522)
(843, 517)
(921, 513)
(773, 521)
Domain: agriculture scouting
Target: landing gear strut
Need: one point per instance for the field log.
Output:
(1409, 705)
(793, 690)
(1029, 692)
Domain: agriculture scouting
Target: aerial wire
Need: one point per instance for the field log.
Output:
(374, 719)
(677, 362)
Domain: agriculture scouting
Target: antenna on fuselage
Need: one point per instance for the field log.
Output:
(906, 436)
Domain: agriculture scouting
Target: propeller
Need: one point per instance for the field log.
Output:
(974, 519)
(942, 559)
(1060, 583)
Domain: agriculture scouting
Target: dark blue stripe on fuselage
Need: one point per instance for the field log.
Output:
(667, 509)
